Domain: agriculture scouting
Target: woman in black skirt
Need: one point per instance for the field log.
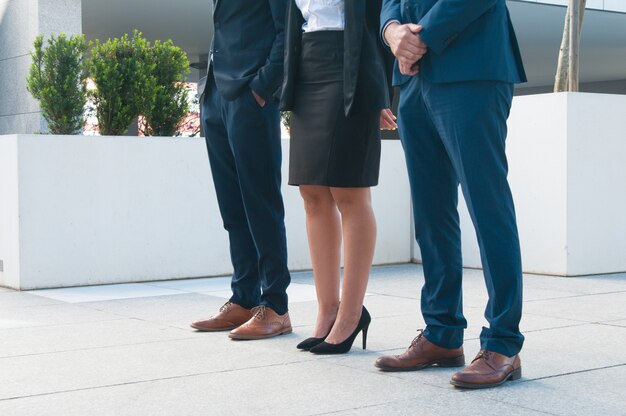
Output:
(336, 87)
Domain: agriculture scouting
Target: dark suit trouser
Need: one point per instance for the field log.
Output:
(455, 133)
(244, 147)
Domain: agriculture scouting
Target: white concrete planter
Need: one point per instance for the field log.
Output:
(84, 210)
(567, 160)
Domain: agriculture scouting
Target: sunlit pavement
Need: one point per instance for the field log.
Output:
(128, 350)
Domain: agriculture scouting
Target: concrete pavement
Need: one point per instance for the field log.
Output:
(128, 350)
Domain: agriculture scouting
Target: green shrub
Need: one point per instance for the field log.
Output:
(122, 72)
(166, 108)
(58, 80)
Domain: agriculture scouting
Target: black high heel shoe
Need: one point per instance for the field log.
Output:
(309, 343)
(342, 348)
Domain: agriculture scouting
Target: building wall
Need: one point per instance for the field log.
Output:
(20, 22)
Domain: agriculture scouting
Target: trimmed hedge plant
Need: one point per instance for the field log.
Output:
(122, 71)
(168, 104)
(58, 80)
(132, 78)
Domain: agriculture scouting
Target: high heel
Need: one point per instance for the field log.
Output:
(309, 343)
(342, 348)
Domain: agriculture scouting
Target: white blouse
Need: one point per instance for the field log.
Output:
(322, 14)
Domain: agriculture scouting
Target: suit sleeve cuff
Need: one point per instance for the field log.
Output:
(435, 43)
(382, 32)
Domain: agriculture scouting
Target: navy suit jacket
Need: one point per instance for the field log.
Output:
(468, 40)
(248, 47)
(365, 84)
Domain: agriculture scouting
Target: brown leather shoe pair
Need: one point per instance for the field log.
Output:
(488, 369)
(257, 323)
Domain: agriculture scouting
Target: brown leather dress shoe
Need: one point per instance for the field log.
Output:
(229, 317)
(264, 324)
(489, 369)
(422, 354)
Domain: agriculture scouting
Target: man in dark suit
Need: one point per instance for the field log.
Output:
(457, 61)
(242, 128)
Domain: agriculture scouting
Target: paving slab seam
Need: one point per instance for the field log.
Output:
(476, 338)
(120, 318)
(524, 380)
(516, 405)
(394, 375)
(389, 295)
(330, 357)
(161, 286)
(93, 308)
(369, 406)
(73, 324)
(84, 302)
(136, 382)
(581, 295)
(183, 291)
(541, 315)
(40, 305)
(613, 320)
(608, 323)
(158, 282)
(578, 276)
(582, 323)
(101, 347)
(401, 315)
(529, 331)
(397, 376)
(373, 406)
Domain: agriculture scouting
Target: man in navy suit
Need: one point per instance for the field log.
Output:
(456, 63)
(242, 128)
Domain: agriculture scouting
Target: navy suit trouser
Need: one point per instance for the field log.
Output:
(454, 133)
(244, 146)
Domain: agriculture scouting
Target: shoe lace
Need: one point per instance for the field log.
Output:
(484, 354)
(260, 312)
(416, 340)
(226, 306)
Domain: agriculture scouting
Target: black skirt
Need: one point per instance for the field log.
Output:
(327, 147)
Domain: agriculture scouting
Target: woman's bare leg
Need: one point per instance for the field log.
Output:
(324, 234)
(359, 236)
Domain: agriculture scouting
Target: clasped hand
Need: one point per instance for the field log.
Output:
(407, 46)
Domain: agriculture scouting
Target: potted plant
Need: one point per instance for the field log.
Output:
(167, 106)
(58, 80)
(122, 72)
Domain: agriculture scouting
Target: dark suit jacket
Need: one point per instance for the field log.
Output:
(468, 40)
(365, 81)
(248, 47)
